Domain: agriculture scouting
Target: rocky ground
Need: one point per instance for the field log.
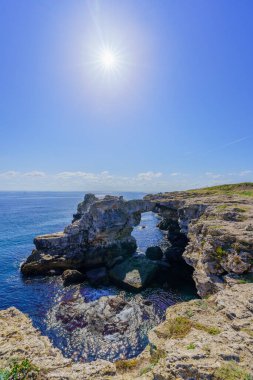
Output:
(210, 339)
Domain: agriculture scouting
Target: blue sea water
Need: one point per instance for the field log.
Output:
(27, 214)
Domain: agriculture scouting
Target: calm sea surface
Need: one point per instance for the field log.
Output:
(27, 214)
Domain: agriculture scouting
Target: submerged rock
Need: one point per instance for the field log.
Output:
(154, 253)
(109, 327)
(97, 276)
(72, 276)
(135, 273)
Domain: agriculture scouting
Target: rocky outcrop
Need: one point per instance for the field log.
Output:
(199, 339)
(202, 339)
(217, 229)
(100, 232)
(154, 253)
(135, 273)
(72, 276)
(19, 340)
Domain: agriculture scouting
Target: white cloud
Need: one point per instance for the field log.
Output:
(34, 173)
(148, 181)
(148, 176)
(213, 175)
(84, 175)
(175, 174)
(9, 174)
(245, 173)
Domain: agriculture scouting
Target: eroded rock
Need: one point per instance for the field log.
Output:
(135, 273)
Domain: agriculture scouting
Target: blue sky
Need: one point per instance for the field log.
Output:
(176, 114)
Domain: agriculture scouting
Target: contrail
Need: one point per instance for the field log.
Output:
(223, 146)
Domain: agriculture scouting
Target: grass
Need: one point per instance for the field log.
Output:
(155, 356)
(248, 331)
(231, 371)
(220, 253)
(123, 365)
(179, 327)
(23, 370)
(211, 330)
(191, 346)
(244, 189)
(246, 278)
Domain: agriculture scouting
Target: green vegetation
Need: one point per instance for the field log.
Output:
(212, 330)
(23, 370)
(220, 253)
(123, 365)
(145, 370)
(206, 349)
(221, 207)
(231, 371)
(179, 327)
(191, 346)
(246, 278)
(216, 227)
(248, 331)
(244, 189)
(189, 313)
(155, 356)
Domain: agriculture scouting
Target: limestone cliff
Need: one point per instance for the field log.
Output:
(100, 232)
(211, 229)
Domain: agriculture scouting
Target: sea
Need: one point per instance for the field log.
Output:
(25, 215)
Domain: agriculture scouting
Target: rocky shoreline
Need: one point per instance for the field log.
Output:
(208, 339)
(212, 233)
(209, 237)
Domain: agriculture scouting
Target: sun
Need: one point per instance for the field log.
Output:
(109, 60)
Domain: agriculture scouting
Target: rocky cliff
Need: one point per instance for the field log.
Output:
(209, 229)
(218, 223)
(100, 232)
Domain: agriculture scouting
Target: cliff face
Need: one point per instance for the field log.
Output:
(219, 229)
(100, 232)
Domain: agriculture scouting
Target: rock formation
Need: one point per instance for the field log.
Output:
(100, 232)
(210, 230)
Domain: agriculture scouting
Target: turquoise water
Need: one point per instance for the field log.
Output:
(27, 214)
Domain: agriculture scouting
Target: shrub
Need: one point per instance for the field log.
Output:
(191, 346)
(231, 371)
(177, 327)
(122, 365)
(212, 330)
(24, 370)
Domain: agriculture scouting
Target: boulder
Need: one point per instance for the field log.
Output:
(72, 276)
(154, 253)
(135, 273)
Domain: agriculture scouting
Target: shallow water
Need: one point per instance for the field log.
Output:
(27, 214)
